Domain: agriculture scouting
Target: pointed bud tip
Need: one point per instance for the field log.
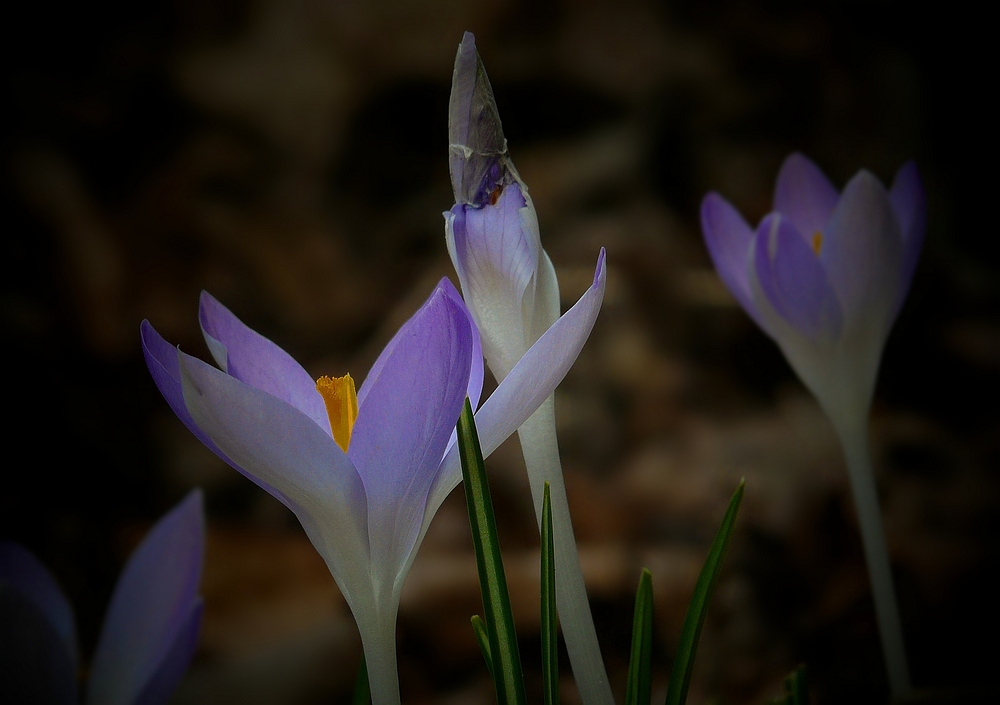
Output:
(601, 272)
(468, 43)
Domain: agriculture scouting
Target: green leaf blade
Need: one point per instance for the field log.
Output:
(550, 619)
(498, 617)
(483, 637)
(638, 687)
(680, 672)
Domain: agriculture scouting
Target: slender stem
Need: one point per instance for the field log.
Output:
(541, 457)
(380, 656)
(854, 438)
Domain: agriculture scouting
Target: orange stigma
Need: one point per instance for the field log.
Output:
(817, 242)
(341, 401)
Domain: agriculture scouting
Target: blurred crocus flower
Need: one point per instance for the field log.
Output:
(510, 286)
(149, 633)
(825, 275)
(364, 472)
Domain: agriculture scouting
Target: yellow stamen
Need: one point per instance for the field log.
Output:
(341, 401)
(817, 242)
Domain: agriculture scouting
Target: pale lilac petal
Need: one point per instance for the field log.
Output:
(529, 383)
(35, 666)
(495, 250)
(250, 357)
(279, 446)
(862, 253)
(475, 378)
(403, 427)
(150, 606)
(804, 195)
(729, 238)
(909, 203)
(545, 309)
(792, 278)
(475, 390)
(475, 136)
(161, 686)
(20, 568)
(162, 361)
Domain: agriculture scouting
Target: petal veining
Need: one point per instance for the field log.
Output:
(496, 255)
(404, 424)
(529, 383)
(250, 357)
(279, 446)
(162, 361)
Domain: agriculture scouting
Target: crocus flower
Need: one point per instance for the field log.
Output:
(825, 275)
(510, 286)
(149, 633)
(364, 472)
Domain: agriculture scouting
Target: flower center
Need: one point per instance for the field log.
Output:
(817, 242)
(341, 401)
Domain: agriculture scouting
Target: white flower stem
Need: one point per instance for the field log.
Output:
(379, 642)
(854, 438)
(541, 457)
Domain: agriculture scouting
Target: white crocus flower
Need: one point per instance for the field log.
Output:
(510, 287)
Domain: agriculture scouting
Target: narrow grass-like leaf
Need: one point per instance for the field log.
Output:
(483, 637)
(796, 689)
(550, 619)
(507, 676)
(362, 690)
(680, 672)
(638, 687)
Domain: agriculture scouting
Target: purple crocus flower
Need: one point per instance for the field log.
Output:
(510, 286)
(364, 473)
(149, 633)
(825, 275)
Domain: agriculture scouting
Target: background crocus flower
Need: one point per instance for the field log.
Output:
(825, 275)
(510, 286)
(364, 473)
(149, 633)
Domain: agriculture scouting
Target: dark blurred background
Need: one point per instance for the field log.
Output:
(290, 157)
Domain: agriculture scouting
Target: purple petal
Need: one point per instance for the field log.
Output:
(910, 206)
(729, 240)
(862, 253)
(279, 446)
(475, 378)
(404, 424)
(475, 136)
(162, 361)
(475, 390)
(529, 383)
(495, 250)
(804, 195)
(161, 686)
(792, 278)
(35, 666)
(151, 605)
(20, 568)
(250, 357)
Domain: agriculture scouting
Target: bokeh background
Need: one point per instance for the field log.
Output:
(290, 157)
